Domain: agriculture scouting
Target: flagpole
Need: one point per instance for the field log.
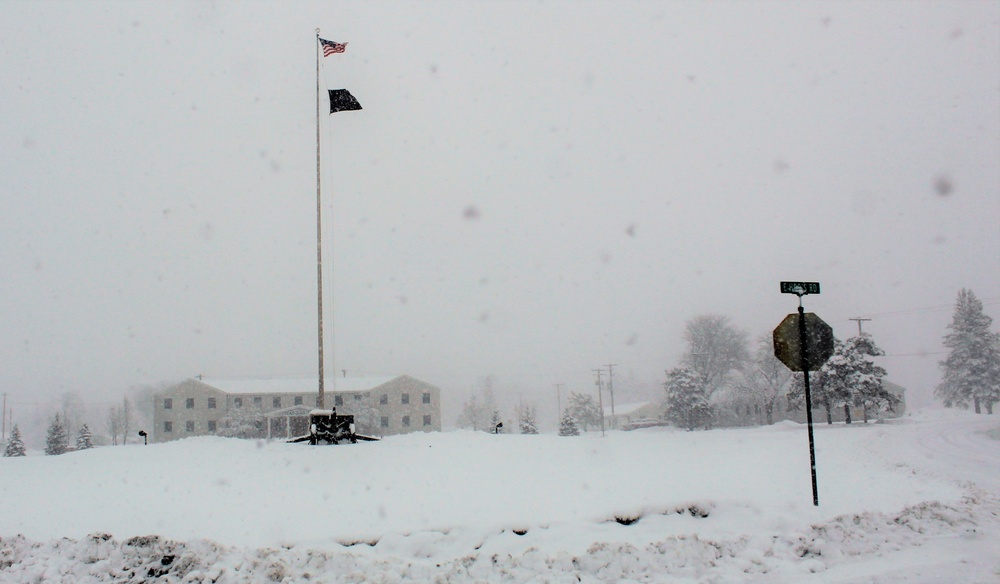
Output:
(320, 403)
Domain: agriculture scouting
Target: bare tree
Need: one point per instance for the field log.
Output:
(113, 424)
(763, 381)
(128, 419)
(120, 420)
(715, 348)
(479, 409)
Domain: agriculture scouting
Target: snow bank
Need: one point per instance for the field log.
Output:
(725, 505)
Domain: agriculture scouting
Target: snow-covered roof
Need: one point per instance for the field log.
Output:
(293, 384)
(625, 409)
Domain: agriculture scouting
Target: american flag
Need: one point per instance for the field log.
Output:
(331, 47)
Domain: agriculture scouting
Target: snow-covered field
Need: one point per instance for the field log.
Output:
(912, 500)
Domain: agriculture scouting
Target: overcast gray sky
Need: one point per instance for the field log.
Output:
(533, 189)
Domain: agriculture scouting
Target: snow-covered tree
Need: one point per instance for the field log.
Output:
(84, 439)
(15, 445)
(715, 349)
(526, 420)
(245, 422)
(837, 379)
(818, 393)
(366, 415)
(56, 442)
(568, 425)
(472, 415)
(478, 411)
(765, 379)
(972, 368)
(584, 410)
(687, 401)
(849, 378)
(127, 418)
(113, 424)
(120, 420)
(870, 393)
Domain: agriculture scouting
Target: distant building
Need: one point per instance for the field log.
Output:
(633, 415)
(279, 408)
(837, 412)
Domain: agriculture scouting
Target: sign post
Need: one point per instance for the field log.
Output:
(803, 342)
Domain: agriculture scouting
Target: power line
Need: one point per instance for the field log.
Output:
(926, 309)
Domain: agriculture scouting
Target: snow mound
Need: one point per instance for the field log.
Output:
(101, 558)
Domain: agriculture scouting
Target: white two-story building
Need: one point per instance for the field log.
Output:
(279, 407)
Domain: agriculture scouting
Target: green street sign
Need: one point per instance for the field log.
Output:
(800, 288)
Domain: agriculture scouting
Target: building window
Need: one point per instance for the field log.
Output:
(168, 426)
(406, 421)
(338, 400)
(189, 425)
(211, 425)
(238, 402)
(406, 398)
(258, 401)
(427, 420)
(427, 398)
(384, 421)
(168, 403)
(211, 403)
(384, 399)
(276, 402)
(298, 400)
(189, 403)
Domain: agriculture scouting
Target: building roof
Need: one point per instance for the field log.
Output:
(293, 384)
(625, 409)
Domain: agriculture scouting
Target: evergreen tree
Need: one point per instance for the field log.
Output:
(585, 410)
(56, 441)
(972, 368)
(567, 425)
(84, 440)
(687, 400)
(837, 381)
(526, 420)
(866, 377)
(15, 446)
(818, 395)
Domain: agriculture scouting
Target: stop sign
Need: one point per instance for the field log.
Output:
(788, 345)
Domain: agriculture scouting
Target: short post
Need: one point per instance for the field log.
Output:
(145, 441)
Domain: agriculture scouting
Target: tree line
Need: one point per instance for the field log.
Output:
(120, 421)
(723, 379)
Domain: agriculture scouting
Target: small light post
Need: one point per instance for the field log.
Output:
(145, 440)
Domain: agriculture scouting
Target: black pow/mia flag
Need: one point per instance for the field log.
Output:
(341, 100)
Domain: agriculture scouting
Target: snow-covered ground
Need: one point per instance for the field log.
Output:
(911, 500)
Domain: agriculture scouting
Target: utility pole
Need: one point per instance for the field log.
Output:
(611, 390)
(3, 436)
(859, 321)
(600, 398)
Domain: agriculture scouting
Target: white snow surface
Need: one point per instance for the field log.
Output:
(911, 500)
